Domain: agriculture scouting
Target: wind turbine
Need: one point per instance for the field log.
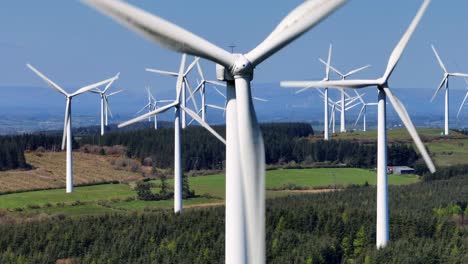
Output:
(104, 103)
(185, 85)
(336, 106)
(67, 131)
(201, 87)
(178, 106)
(464, 100)
(107, 108)
(384, 91)
(326, 135)
(445, 81)
(343, 77)
(363, 111)
(148, 106)
(154, 105)
(245, 154)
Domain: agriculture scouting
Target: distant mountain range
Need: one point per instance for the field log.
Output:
(29, 109)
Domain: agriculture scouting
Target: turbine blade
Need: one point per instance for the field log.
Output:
(327, 69)
(111, 82)
(438, 59)
(180, 77)
(116, 92)
(200, 72)
(335, 84)
(216, 83)
(398, 51)
(218, 91)
(65, 122)
(202, 123)
(462, 104)
(191, 92)
(359, 96)
(47, 80)
(357, 70)
(92, 86)
(161, 31)
(108, 107)
(190, 67)
(144, 108)
(403, 114)
(440, 87)
(331, 67)
(169, 73)
(459, 74)
(359, 116)
(215, 107)
(296, 23)
(149, 114)
(260, 99)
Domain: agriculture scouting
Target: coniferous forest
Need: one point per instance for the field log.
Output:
(339, 227)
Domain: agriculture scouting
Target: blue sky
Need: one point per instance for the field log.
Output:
(75, 45)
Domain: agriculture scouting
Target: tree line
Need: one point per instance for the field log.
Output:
(284, 143)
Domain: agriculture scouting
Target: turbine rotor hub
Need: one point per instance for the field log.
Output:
(242, 67)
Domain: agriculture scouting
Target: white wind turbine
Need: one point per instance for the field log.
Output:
(185, 85)
(105, 103)
(245, 154)
(464, 100)
(363, 111)
(384, 91)
(326, 134)
(107, 108)
(67, 131)
(445, 81)
(178, 106)
(336, 106)
(148, 106)
(154, 105)
(343, 77)
(201, 87)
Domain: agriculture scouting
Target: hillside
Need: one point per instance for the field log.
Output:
(49, 171)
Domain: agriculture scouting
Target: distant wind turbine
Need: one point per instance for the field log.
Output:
(445, 81)
(343, 76)
(363, 111)
(384, 91)
(105, 103)
(67, 130)
(185, 85)
(177, 105)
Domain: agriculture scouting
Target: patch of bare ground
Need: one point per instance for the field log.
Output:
(314, 190)
(49, 171)
(203, 205)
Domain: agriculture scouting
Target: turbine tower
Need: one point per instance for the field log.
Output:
(343, 77)
(245, 154)
(178, 106)
(185, 85)
(445, 81)
(384, 92)
(67, 130)
(104, 103)
(363, 111)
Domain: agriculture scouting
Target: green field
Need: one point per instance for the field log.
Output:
(117, 197)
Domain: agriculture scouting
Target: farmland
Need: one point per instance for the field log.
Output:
(121, 197)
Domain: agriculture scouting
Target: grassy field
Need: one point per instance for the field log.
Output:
(49, 171)
(118, 197)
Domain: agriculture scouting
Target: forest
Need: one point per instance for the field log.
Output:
(285, 143)
(338, 227)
